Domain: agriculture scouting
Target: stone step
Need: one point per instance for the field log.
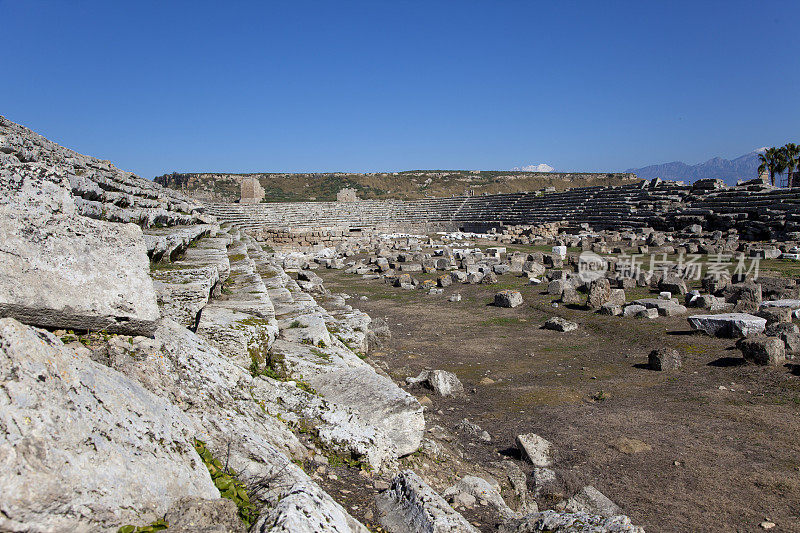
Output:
(164, 244)
(185, 286)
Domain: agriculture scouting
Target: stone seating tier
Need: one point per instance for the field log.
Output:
(635, 205)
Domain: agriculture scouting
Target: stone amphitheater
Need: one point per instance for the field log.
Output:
(756, 210)
(440, 365)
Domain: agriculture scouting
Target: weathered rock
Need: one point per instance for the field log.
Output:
(190, 515)
(592, 501)
(379, 402)
(599, 293)
(410, 506)
(746, 296)
(558, 522)
(763, 350)
(570, 296)
(716, 284)
(63, 270)
(78, 433)
(481, 490)
(238, 335)
(611, 309)
(474, 430)
(648, 312)
(792, 343)
(632, 310)
(341, 430)
(776, 329)
(546, 484)
(165, 244)
(775, 314)
(617, 297)
(792, 304)
(307, 509)
(183, 293)
(664, 359)
(404, 281)
(556, 287)
(535, 448)
(489, 278)
(101, 190)
(533, 268)
(508, 298)
(663, 307)
(673, 284)
(560, 324)
(728, 324)
(310, 329)
(475, 277)
(442, 382)
(672, 309)
(501, 269)
(458, 276)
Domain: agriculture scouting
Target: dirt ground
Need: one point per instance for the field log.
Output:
(711, 447)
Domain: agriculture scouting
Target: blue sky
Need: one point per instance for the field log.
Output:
(368, 86)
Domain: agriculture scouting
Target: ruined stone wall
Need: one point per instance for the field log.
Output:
(252, 192)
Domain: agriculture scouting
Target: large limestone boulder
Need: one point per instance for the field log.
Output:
(236, 416)
(664, 359)
(728, 324)
(307, 509)
(62, 270)
(560, 324)
(673, 284)
(536, 449)
(792, 304)
(763, 350)
(206, 516)
(508, 298)
(378, 401)
(410, 505)
(599, 293)
(442, 382)
(83, 447)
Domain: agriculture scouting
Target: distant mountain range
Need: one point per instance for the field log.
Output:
(744, 167)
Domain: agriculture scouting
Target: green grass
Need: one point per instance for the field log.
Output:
(784, 267)
(502, 321)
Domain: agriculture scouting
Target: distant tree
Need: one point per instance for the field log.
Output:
(790, 158)
(771, 162)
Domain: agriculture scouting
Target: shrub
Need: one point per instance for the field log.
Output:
(227, 483)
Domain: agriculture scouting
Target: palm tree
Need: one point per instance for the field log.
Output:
(790, 158)
(771, 162)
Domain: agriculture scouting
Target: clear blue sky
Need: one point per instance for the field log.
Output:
(378, 85)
